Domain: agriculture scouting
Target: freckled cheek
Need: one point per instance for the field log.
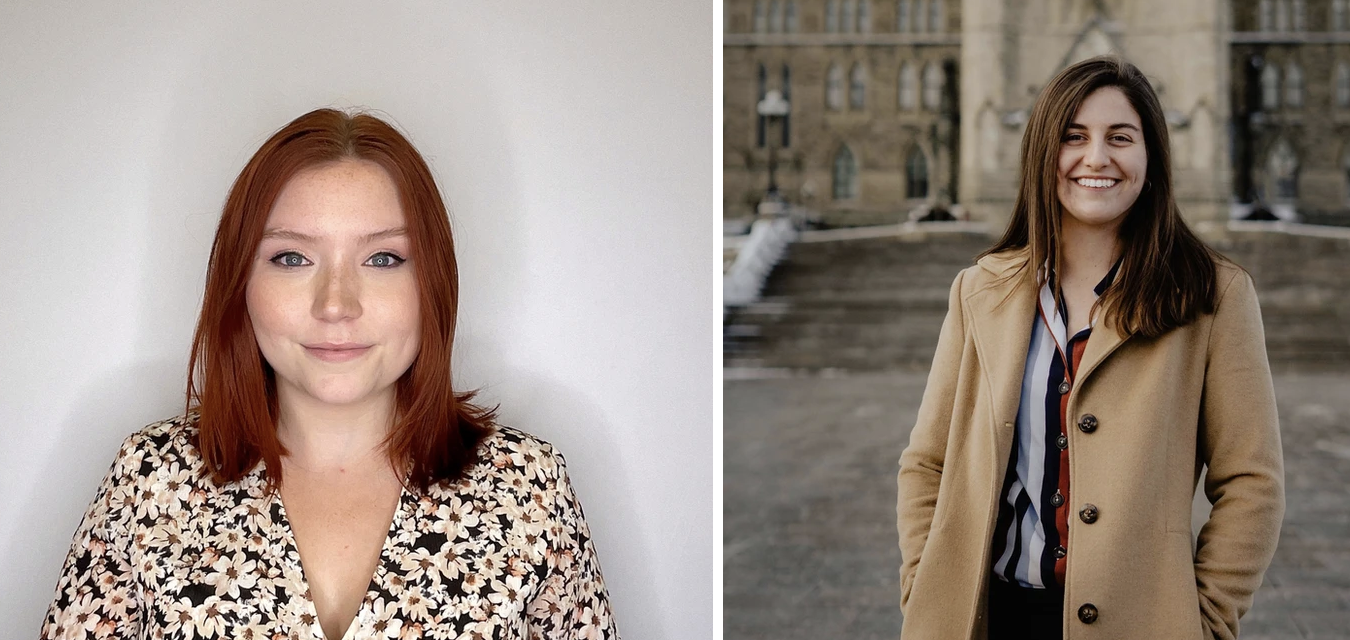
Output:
(277, 311)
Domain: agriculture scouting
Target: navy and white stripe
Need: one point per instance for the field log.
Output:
(1025, 535)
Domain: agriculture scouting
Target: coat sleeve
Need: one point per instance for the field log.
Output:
(1240, 443)
(95, 595)
(922, 461)
(573, 602)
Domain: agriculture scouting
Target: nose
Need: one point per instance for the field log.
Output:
(338, 295)
(1097, 155)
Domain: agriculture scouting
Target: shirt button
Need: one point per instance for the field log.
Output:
(1089, 514)
(1087, 423)
(1057, 499)
(1060, 551)
(1062, 442)
(1063, 387)
(1087, 613)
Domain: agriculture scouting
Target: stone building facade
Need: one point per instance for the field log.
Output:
(898, 105)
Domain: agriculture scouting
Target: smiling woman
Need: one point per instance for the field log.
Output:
(1091, 363)
(325, 480)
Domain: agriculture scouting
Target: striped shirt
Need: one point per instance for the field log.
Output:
(1031, 533)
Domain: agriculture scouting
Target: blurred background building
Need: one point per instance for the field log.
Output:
(904, 108)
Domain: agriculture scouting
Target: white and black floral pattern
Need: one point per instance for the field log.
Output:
(505, 553)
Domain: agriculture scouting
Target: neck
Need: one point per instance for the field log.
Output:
(322, 437)
(1087, 252)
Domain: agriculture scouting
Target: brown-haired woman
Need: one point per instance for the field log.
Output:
(328, 482)
(1090, 363)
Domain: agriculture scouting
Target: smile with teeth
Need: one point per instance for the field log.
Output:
(1093, 183)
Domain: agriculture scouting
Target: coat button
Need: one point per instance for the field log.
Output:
(1063, 387)
(1088, 514)
(1087, 423)
(1062, 442)
(1057, 499)
(1087, 613)
(1060, 551)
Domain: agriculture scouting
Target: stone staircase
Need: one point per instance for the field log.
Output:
(877, 303)
(1304, 287)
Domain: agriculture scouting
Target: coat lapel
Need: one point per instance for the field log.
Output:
(1001, 315)
(1105, 338)
(1003, 335)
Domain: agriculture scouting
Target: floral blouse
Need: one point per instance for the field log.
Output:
(504, 554)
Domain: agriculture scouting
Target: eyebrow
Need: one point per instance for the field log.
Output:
(1118, 125)
(369, 237)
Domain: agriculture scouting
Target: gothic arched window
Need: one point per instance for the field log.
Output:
(1270, 87)
(932, 87)
(1345, 172)
(787, 96)
(909, 83)
(762, 79)
(1293, 85)
(1342, 84)
(845, 175)
(857, 87)
(834, 88)
(1283, 167)
(916, 174)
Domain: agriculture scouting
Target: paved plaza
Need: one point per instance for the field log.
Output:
(810, 548)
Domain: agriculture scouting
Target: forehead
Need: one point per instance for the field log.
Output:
(338, 198)
(1106, 106)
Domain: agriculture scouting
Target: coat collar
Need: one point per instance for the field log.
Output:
(1001, 313)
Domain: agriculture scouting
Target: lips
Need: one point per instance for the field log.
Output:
(337, 355)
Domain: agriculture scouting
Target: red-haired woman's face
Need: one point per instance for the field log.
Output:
(1102, 160)
(335, 286)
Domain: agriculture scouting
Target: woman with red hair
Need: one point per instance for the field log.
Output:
(325, 480)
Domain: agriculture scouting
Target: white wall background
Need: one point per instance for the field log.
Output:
(573, 142)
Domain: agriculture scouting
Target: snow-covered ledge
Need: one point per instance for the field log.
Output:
(756, 257)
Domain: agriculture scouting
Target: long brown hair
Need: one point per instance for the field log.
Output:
(1167, 275)
(436, 432)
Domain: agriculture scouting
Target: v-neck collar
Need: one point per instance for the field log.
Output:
(294, 564)
(1059, 323)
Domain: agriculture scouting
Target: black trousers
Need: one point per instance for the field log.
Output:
(1019, 613)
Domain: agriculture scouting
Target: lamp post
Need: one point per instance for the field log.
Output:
(774, 108)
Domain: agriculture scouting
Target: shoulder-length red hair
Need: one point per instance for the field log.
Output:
(436, 431)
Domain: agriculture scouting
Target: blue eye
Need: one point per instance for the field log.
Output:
(285, 263)
(389, 259)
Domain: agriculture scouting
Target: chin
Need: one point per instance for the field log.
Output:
(339, 394)
(1097, 217)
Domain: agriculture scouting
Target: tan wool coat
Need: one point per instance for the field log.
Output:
(1198, 395)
